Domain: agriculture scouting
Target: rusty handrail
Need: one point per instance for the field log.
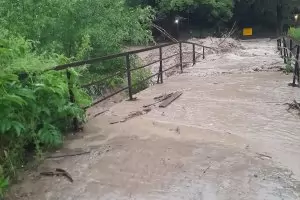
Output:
(109, 57)
(128, 69)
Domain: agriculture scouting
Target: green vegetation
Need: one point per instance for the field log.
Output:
(138, 75)
(37, 35)
(35, 106)
(288, 67)
(3, 182)
(214, 10)
(294, 33)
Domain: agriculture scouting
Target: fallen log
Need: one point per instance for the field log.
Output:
(159, 99)
(58, 172)
(71, 153)
(169, 100)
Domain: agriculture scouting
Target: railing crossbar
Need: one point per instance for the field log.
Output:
(129, 69)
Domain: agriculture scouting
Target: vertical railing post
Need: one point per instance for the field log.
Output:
(72, 100)
(194, 55)
(180, 57)
(160, 65)
(291, 47)
(280, 46)
(129, 76)
(203, 52)
(296, 69)
(284, 51)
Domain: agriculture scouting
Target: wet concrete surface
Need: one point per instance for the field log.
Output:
(229, 136)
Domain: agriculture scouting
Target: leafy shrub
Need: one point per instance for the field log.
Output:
(138, 76)
(294, 33)
(288, 67)
(35, 106)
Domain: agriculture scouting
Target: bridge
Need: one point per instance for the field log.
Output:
(228, 136)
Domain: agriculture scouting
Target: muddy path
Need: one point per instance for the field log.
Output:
(229, 136)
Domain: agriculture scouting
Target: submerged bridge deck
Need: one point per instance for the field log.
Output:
(229, 136)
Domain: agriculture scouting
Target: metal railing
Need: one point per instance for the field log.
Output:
(290, 53)
(128, 69)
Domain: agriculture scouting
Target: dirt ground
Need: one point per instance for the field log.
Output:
(228, 137)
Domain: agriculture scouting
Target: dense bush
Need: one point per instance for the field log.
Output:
(35, 106)
(294, 33)
(77, 28)
(37, 35)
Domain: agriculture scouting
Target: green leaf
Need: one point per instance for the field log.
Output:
(14, 99)
(8, 78)
(27, 93)
(46, 111)
(4, 183)
(18, 127)
(50, 136)
(5, 125)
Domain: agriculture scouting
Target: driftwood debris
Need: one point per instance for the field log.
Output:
(166, 100)
(76, 152)
(204, 172)
(132, 115)
(100, 113)
(58, 172)
(294, 106)
(163, 97)
(169, 100)
(159, 99)
(261, 156)
(119, 121)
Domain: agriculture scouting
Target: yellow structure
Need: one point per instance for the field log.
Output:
(247, 32)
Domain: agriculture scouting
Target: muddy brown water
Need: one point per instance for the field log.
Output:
(229, 136)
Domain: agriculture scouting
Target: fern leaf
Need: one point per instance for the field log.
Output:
(18, 127)
(50, 136)
(14, 99)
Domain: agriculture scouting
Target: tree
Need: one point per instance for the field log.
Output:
(267, 12)
(63, 26)
(284, 12)
(215, 9)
